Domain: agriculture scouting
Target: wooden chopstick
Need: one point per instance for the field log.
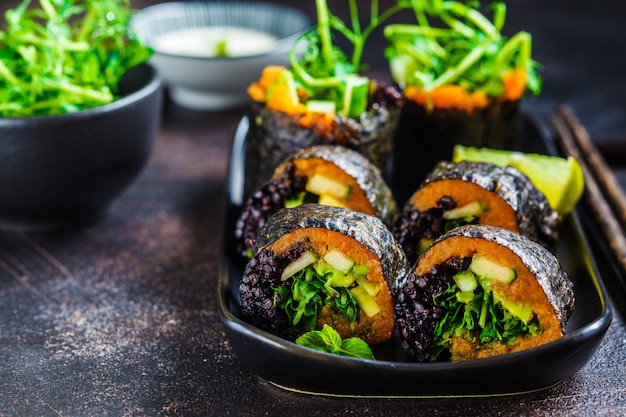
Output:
(606, 179)
(604, 194)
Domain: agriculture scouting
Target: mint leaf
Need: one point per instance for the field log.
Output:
(313, 340)
(328, 340)
(357, 348)
(332, 338)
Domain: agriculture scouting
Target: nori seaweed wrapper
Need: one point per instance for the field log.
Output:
(285, 184)
(416, 316)
(274, 136)
(536, 219)
(427, 136)
(256, 291)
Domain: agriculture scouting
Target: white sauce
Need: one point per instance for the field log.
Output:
(205, 42)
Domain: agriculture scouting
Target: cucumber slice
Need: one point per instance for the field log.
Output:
(475, 208)
(360, 270)
(355, 98)
(486, 268)
(465, 281)
(306, 259)
(321, 185)
(465, 297)
(339, 261)
(372, 288)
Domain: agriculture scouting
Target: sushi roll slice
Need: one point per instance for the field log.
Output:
(455, 194)
(316, 265)
(481, 291)
(324, 174)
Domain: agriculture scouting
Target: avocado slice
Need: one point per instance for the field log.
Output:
(365, 300)
(475, 208)
(321, 185)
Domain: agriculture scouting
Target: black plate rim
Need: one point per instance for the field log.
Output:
(584, 340)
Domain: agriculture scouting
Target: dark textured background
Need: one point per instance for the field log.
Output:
(119, 318)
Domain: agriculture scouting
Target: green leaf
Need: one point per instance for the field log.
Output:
(328, 340)
(357, 348)
(331, 337)
(481, 318)
(313, 340)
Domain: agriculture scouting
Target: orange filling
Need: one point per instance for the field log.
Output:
(281, 100)
(356, 200)
(497, 211)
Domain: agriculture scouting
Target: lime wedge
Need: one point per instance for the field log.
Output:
(560, 180)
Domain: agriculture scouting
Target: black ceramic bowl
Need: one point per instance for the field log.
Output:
(64, 170)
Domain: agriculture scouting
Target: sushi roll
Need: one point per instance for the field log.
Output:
(316, 265)
(481, 291)
(454, 194)
(321, 98)
(324, 174)
(462, 81)
(274, 135)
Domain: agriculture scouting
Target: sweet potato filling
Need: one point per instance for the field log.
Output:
(524, 289)
(376, 329)
(498, 212)
(356, 199)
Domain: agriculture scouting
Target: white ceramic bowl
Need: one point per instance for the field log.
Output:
(211, 83)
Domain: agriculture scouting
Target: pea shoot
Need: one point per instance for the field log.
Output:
(328, 73)
(466, 49)
(65, 55)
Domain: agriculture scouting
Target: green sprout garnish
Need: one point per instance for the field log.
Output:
(466, 49)
(65, 56)
(323, 70)
(308, 293)
(477, 316)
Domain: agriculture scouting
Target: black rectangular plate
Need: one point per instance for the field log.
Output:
(393, 374)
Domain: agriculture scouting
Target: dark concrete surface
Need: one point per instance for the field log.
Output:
(119, 318)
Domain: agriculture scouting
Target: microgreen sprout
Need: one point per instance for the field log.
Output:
(466, 49)
(322, 68)
(65, 55)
